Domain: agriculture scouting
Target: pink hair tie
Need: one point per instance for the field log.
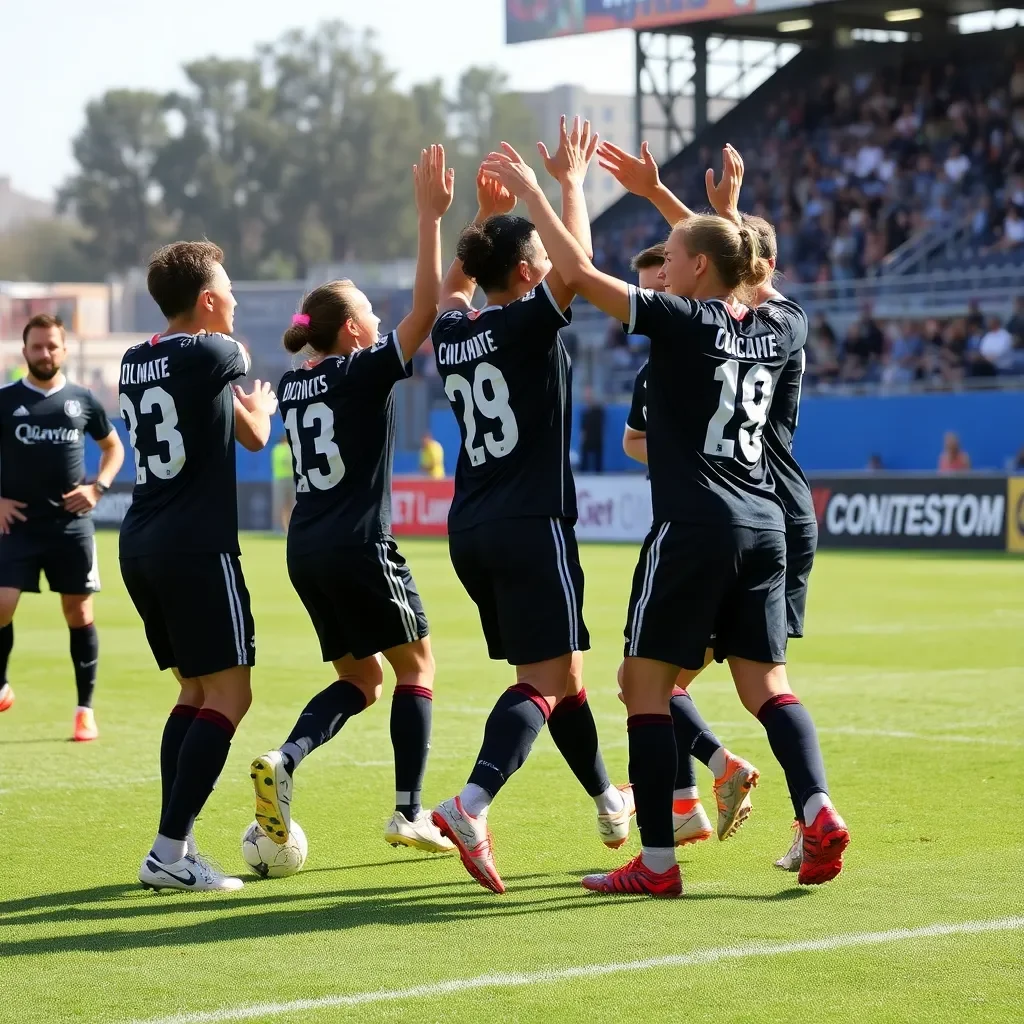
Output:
(301, 319)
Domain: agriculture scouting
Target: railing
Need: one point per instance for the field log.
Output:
(915, 252)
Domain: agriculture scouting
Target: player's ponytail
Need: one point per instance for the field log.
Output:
(325, 310)
(755, 268)
(492, 250)
(733, 251)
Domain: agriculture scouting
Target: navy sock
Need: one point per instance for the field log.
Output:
(513, 724)
(179, 721)
(85, 653)
(322, 719)
(693, 734)
(652, 771)
(794, 742)
(200, 762)
(574, 731)
(411, 715)
(6, 646)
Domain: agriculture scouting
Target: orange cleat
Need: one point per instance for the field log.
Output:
(689, 822)
(6, 696)
(85, 726)
(732, 792)
(472, 838)
(824, 843)
(637, 879)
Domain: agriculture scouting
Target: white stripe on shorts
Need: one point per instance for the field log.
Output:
(653, 556)
(235, 607)
(562, 560)
(397, 587)
(92, 581)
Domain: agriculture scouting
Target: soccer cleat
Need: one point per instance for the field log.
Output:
(692, 827)
(732, 792)
(823, 846)
(273, 787)
(792, 860)
(85, 726)
(635, 878)
(614, 828)
(472, 838)
(190, 874)
(6, 696)
(420, 833)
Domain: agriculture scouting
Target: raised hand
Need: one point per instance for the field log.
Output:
(492, 197)
(262, 398)
(636, 174)
(511, 170)
(725, 196)
(576, 148)
(433, 183)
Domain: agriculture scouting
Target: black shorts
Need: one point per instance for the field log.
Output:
(525, 577)
(195, 608)
(67, 559)
(362, 599)
(801, 543)
(693, 582)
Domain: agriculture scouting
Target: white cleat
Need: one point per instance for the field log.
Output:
(273, 787)
(420, 834)
(472, 838)
(614, 828)
(692, 827)
(190, 874)
(792, 860)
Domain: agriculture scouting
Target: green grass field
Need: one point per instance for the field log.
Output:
(913, 669)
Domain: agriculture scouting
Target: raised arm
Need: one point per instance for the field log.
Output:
(571, 263)
(434, 187)
(492, 199)
(640, 176)
(725, 196)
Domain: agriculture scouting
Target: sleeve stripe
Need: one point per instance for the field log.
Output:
(398, 348)
(632, 310)
(246, 361)
(551, 299)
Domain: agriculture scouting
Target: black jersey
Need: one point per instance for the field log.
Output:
(339, 414)
(790, 483)
(636, 419)
(42, 448)
(176, 403)
(509, 380)
(712, 373)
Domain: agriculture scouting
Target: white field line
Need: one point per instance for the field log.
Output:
(697, 958)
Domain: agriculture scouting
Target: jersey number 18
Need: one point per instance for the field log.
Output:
(754, 394)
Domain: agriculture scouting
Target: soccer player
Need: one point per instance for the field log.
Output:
(179, 540)
(714, 561)
(45, 512)
(339, 414)
(511, 526)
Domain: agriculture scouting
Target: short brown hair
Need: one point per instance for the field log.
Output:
(179, 272)
(46, 321)
(653, 256)
(328, 308)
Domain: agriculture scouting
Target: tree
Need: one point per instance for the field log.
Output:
(46, 250)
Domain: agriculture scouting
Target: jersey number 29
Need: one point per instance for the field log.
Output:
(474, 397)
(754, 394)
(320, 417)
(155, 400)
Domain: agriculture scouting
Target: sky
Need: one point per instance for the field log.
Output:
(58, 54)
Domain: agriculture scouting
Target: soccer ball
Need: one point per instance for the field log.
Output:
(268, 859)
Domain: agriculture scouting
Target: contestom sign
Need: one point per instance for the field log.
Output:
(911, 512)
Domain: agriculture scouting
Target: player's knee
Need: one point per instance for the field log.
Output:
(368, 676)
(574, 682)
(77, 610)
(413, 664)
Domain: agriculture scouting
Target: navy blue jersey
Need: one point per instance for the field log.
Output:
(508, 378)
(339, 414)
(176, 401)
(711, 377)
(637, 416)
(42, 448)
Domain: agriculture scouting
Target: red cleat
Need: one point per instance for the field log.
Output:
(6, 696)
(636, 879)
(472, 838)
(824, 843)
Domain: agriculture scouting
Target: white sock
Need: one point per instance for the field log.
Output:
(167, 851)
(611, 801)
(690, 793)
(295, 752)
(814, 804)
(80, 708)
(659, 858)
(475, 800)
(719, 762)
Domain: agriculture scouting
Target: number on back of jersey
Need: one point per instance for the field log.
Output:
(485, 399)
(731, 428)
(155, 402)
(317, 423)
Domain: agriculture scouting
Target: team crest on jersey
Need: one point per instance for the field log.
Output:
(73, 407)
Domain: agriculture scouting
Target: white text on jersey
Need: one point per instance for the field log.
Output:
(302, 390)
(143, 373)
(452, 352)
(763, 346)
